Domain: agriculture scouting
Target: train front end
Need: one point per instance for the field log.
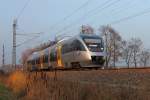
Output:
(95, 50)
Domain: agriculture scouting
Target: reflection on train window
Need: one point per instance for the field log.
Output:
(75, 45)
(53, 55)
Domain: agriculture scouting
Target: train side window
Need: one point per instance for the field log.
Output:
(37, 61)
(73, 46)
(33, 62)
(28, 62)
(53, 55)
(45, 59)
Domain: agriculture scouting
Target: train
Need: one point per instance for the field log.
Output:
(82, 50)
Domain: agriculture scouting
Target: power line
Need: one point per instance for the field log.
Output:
(76, 10)
(103, 6)
(17, 34)
(121, 6)
(76, 21)
(119, 9)
(131, 17)
(22, 10)
(29, 40)
(31, 34)
(107, 6)
(130, 4)
(36, 35)
(72, 13)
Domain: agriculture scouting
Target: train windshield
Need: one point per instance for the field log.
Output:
(94, 44)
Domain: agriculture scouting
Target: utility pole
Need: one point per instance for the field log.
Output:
(3, 60)
(14, 44)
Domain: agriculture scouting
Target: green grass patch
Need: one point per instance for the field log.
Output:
(5, 93)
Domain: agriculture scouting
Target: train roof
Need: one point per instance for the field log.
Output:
(81, 35)
(33, 56)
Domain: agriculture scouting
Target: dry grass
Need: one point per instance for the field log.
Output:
(84, 85)
(16, 81)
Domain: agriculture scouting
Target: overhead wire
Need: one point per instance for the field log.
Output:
(103, 6)
(28, 40)
(23, 9)
(129, 4)
(29, 34)
(71, 14)
(130, 17)
(76, 21)
(36, 35)
(118, 9)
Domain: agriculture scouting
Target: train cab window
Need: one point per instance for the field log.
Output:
(94, 44)
(77, 46)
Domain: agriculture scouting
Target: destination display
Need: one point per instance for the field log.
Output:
(92, 40)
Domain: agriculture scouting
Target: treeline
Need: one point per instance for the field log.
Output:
(130, 53)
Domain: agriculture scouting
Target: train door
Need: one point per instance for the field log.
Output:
(41, 59)
(59, 56)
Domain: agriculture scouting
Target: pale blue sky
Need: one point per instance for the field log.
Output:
(41, 16)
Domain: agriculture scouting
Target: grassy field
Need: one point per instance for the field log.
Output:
(128, 84)
(90, 85)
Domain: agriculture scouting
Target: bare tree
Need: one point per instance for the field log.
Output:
(113, 43)
(126, 53)
(135, 45)
(144, 57)
(104, 30)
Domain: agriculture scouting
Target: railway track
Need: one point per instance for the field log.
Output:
(89, 68)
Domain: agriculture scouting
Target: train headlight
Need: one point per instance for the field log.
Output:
(102, 49)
